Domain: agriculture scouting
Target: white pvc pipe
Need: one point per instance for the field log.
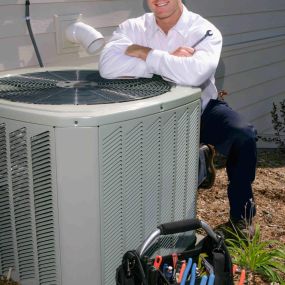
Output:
(87, 36)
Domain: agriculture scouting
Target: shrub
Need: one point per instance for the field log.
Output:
(266, 258)
(278, 122)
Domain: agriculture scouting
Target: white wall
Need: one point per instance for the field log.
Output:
(252, 68)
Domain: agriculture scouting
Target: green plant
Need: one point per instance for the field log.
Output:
(278, 122)
(266, 258)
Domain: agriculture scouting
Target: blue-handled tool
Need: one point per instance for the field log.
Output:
(186, 272)
(169, 273)
(193, 274)
(204, 280)
(209, 33)
(164, 268)
(211, 279)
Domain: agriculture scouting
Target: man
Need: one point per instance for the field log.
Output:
(162, 42)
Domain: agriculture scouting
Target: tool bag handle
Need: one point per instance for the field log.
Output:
(179, 226)
(175, 228)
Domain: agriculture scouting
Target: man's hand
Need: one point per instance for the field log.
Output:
(184, 52)
(138, 51)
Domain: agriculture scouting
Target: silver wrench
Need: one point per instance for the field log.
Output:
(209, 33)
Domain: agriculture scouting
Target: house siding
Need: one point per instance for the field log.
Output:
(16, 50)
(252, 67)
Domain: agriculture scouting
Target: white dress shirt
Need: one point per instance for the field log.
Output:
(197, 70)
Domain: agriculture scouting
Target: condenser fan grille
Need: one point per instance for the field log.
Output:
(78, 87)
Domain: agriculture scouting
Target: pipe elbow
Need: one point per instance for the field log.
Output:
(92, 40)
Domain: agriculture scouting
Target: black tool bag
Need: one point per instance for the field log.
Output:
(137, 269)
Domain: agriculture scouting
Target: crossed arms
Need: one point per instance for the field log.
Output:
(142, 52)
(124, 57)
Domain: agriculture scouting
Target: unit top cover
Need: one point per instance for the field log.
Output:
(81, 98)
(77, 87)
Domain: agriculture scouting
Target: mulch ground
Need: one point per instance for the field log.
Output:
(269, 194)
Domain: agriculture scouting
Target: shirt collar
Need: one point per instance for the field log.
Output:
(184, 22)
(153, 27)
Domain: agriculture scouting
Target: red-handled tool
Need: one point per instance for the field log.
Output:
(157, 261)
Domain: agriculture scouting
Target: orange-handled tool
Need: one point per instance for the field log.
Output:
(183, 266)
(174, 259)
(242, 277)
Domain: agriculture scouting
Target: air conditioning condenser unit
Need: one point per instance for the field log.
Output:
(88, 168)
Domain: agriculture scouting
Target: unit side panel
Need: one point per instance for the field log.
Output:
(78, 200)
(29, 181)
(145, 166)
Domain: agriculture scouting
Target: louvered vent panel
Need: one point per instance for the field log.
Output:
(6, 235)
(146, 164)
(133, 186)
(192, 167)
(181, 166)
(44, 212)
(21, 200)
(168, 187)
(168, 169)
(113, 236)
(152, 176)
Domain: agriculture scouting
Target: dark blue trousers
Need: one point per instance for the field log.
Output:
(233, 137)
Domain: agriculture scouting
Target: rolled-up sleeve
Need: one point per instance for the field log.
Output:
(113, 62)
